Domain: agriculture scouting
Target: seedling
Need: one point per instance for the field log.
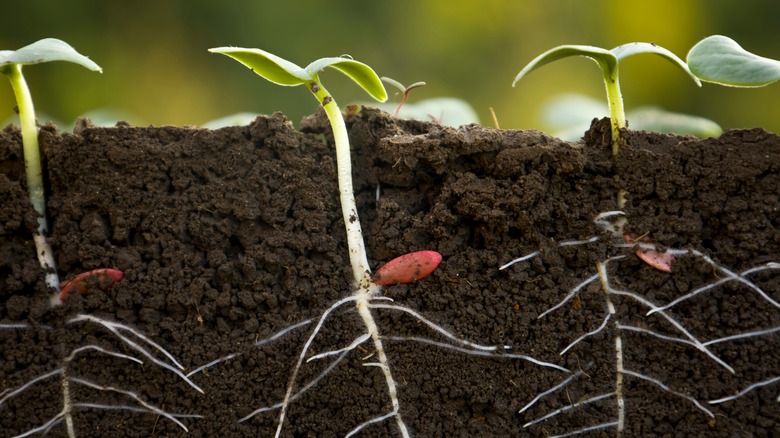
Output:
(720, 60)
(283, 72)
(403, 89)
(608, 61)
(11, 63)
(668, 328)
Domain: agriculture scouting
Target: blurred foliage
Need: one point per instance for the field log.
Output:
(157, 70)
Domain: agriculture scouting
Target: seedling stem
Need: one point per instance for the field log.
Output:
(11, 63)
(357, 250)
(33, 170)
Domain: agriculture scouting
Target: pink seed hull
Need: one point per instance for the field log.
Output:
(407, 268)
(104, 278)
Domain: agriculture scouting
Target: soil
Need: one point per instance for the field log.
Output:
(228, 236)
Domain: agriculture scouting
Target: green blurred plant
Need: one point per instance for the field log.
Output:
(447, 111)
(608, 61)
(569, 116)
(11, 63)
(720, 60)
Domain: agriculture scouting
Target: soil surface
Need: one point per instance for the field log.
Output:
(227, 237)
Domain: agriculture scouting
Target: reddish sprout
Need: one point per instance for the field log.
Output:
(103, 278)
(407, 268)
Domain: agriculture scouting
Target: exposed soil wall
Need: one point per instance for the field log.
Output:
(229, 236)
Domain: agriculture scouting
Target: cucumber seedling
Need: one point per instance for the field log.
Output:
(283, 72)
(608, 61)
(11, 63)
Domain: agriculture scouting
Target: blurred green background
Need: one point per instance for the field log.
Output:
(157, 70)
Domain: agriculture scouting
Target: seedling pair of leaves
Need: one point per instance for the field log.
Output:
(608, 61)
(447, 111)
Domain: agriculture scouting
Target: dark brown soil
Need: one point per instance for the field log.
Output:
(228, 236)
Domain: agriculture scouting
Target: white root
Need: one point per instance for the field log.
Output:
(614, 222)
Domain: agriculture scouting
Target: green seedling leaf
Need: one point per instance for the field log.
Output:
(45, 50)
(393, 83)
(362, 74)
(626, 50)
(283, 72)
(607, 59)
(603, 57)
(273, 68)
(720, 60)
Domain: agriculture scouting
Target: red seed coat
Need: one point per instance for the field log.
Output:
(407, 268)
(659, 260)
(103, 278)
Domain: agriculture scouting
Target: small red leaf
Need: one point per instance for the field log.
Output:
(407, 268)
(103, 278)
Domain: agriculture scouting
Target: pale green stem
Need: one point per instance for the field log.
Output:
(32, 155)
(34, 174)
(357, 249)
(365, 288)
(616, 110)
